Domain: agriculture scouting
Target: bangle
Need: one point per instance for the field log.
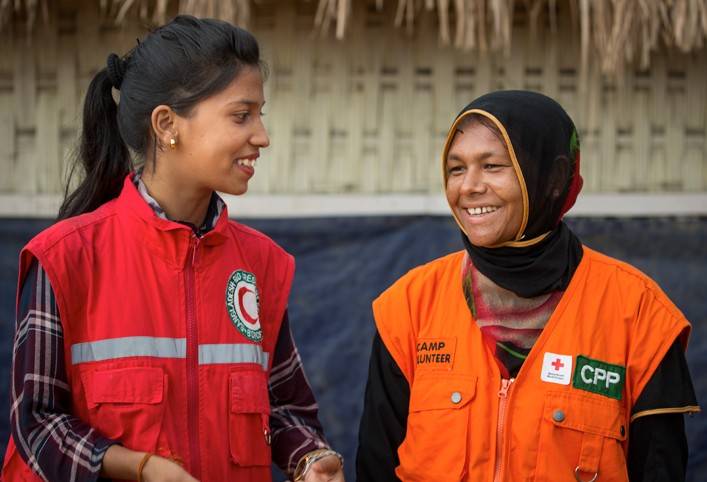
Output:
(141, 465)
(309, 459)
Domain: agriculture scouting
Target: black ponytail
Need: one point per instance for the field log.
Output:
(178, 65)
(101, 154)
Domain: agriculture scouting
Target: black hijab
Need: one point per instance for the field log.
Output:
(543, 145)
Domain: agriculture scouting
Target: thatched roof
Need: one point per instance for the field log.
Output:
(620, 32)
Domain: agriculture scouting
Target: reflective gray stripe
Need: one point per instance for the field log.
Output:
(166, 348)
(236, 353)
(128, 346)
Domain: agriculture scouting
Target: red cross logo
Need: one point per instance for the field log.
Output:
(557, 364)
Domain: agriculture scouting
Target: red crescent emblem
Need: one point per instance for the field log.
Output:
(241, 293)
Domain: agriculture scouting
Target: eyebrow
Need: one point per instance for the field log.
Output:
(483, 156)
(248, 102)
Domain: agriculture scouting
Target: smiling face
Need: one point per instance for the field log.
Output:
(220, 140)
(482, 187)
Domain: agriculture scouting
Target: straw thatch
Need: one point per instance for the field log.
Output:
(618, 32)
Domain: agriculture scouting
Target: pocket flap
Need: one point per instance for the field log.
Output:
(586, 414)
(125, 385)
(438, 391)
(249, 392)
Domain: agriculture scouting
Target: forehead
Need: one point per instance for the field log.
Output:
(475, 139)
(245, 89)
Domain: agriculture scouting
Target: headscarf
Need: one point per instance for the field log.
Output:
(543, 146)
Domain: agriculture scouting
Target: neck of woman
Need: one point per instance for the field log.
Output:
(180, 202)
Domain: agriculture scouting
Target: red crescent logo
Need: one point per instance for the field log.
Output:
(241, 293)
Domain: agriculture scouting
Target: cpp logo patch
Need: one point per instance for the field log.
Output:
(243, 304)
(599, 377)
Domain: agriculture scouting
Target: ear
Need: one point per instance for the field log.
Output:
(163, 122)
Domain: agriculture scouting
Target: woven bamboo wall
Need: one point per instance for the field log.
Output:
(369, 114)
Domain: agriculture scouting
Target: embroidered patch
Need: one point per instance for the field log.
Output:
(436, 352)
(599, 377)
(243, 304)
(557, 368)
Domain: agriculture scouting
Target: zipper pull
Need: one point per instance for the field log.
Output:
(194, 244)
(505, 385)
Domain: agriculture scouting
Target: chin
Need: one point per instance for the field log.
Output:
(236, 191)
(233, 188)
(482, 241)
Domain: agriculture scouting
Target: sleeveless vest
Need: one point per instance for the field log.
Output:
(168, 338)
(568, 410)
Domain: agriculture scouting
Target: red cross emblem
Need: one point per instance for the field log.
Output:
(557, 364)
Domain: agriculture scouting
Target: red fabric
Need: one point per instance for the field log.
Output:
(575, 188)
(122, 272)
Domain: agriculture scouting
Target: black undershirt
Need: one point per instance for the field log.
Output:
(657, 452)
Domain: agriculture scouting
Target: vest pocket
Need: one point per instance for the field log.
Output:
(126, 404)
(435, 445)
(249, 418)
(583, 434)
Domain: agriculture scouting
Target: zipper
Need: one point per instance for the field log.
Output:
(192, 361)
(500, 424)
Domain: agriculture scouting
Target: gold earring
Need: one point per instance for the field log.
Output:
(173, 143)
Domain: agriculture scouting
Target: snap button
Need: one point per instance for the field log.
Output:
(456, 397)
(558, 415)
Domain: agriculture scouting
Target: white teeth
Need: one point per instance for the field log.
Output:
(481, 210)
(247, 162)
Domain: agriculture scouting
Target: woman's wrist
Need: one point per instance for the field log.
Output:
(121, 463)
(310, 458)
(141, 466)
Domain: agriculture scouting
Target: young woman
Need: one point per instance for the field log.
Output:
(152, 340)
(527, 356)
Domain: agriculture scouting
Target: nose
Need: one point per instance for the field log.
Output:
(260, 135)
(473, 183)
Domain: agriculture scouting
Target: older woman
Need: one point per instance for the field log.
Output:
(526, 356)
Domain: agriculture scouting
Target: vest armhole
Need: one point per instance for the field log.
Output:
(26, 257)
(283, 295)
(679, 330)
(394, 342)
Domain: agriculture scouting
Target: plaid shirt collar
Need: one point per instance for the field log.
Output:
(213, 212)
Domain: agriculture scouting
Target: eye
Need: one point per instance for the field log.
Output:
(454, 170)
(241, 117)
(489, 166)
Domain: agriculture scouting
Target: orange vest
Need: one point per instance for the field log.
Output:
(168, 338)
(569, 408)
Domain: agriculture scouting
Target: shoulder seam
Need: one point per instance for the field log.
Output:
(647, 282)
(75, 229)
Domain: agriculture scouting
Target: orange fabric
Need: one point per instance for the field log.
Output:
(610, 312)
(122, 272)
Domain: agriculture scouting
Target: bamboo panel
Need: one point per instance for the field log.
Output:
(369, 114)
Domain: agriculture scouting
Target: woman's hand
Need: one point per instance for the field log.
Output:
(159, 469)
(327, 469)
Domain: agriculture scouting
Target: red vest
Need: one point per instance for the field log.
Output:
(569, 407)
(168, 338)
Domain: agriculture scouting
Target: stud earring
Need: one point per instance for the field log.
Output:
(173, 143)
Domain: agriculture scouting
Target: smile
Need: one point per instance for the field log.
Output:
(248, 162)
(481, 210)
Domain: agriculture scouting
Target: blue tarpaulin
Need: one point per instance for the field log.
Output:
(344, 263)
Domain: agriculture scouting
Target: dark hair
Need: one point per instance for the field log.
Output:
(179, 65)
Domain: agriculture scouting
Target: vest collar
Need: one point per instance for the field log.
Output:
(166, 239)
